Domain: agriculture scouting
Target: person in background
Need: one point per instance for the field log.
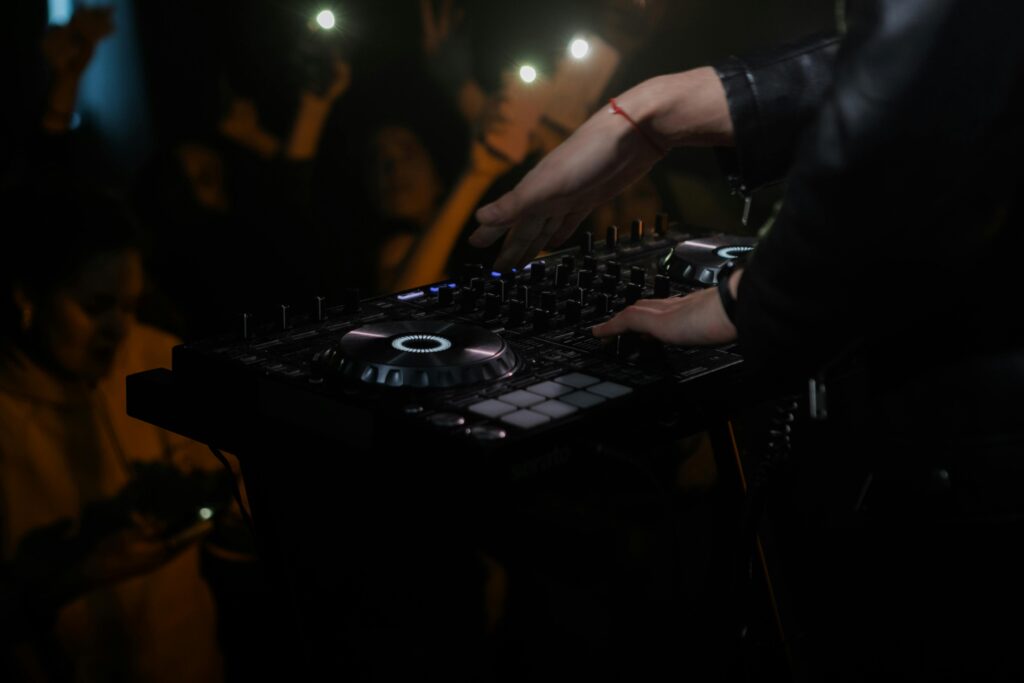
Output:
(100, 514)
(411, 162)
(38, 142)
(218, 198)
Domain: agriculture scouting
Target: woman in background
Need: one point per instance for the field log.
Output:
(99, 513)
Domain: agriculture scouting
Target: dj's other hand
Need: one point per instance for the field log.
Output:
(601, 158)
(697, 319)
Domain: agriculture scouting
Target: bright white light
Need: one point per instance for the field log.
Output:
(326, 19)
(527, 73)
(205, 513)
(579, 48)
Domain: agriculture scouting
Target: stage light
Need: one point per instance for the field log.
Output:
(527, 73)
(579, 48)
(325, 18)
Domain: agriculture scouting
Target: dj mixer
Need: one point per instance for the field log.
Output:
(486, 360)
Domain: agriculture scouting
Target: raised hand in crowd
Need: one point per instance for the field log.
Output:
(68, 51)
(449, 57)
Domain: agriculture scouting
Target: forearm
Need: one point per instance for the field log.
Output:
(309, 126)
(60, 105)
(682, 109)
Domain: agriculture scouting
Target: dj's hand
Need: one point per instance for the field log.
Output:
(694, 320)
(594, 164)
(600, 159)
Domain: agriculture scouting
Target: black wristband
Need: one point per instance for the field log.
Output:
(724, 293)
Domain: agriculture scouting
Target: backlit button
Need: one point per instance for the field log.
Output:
(549, 389)
(577, 380)
(446, 420)
(487, 432)
(554, 409)
(521, 398)
(610, 389)
(525, 419)
(582, 399)
(491, 408)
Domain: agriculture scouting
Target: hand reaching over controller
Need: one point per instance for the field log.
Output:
(601, 158)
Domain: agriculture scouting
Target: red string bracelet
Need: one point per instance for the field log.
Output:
(616, 109)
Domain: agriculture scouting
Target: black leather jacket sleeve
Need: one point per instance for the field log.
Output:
(772, 97)
(902, 204)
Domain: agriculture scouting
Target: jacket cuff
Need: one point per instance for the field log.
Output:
(772, 96)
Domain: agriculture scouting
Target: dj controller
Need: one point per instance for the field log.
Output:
(415, 428)
(484, 361)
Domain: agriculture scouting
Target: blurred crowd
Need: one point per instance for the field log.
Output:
(282, 159)
(277, 153)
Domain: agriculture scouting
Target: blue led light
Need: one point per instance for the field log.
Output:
(495, 273)
(410, 295)
(452, 285)
(528, 266)
(433, 290)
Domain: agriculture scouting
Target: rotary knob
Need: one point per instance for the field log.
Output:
(540, 320)
(492, 305)
(548, 301)
(661, 224)
(662, 286)
(516, 313)
(585, 279)
(633, 293)
(636, 231)
(537, 272)
(611, 237)
(573, 309)
(561, 275)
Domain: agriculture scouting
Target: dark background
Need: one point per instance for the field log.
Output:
(160, 76)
